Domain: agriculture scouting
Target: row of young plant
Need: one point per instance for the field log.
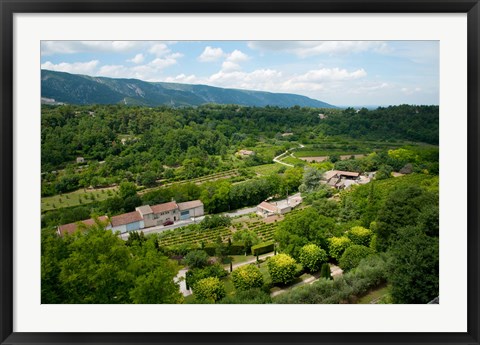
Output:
(195, 235)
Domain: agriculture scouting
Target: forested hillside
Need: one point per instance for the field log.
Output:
(81, 89)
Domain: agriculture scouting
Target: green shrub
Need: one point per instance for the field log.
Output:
(337, 245)
(282, 268)
(194, 275)
(262, 248)
(370, 273)
(252, 296)
(360, 235)
(312, 256)
(247, 277)
(236, 248)
(325, 271)
(353, 255)
(196, 259)
(215, 221)
(209, 289)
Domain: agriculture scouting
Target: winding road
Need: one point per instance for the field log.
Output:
(277, 159)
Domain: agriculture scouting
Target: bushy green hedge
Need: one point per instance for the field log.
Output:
(282, 268)
(337, 245)
(262, 248)
(360, 235)
(312, 257)
(370, 273)
(353, 255)
(209, 289)
(247, 277)
(179, 250)
(194, 275)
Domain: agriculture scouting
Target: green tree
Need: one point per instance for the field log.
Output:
(414, 268)
(352, 256)
(156, 284)
(384, 172)
(96, 269)
(360, 235)
(325, 271)
(303, 227)
(127, 189)
(247, 277)
(194, 275)
(248, 237)
(54, 249)
(312, 256)
(311, 180)
(282, 268)
(337, 245)
(196, 259)
(147, 179)
(209, 289)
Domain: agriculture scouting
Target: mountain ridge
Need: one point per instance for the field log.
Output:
(62, 87)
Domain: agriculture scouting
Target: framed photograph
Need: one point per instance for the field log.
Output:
(239, 172)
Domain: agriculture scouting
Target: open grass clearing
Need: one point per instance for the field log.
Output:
(267, 169)
(76, 198)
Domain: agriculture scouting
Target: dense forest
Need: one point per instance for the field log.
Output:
(144, 145)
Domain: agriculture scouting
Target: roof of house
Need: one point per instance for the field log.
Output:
(72, 227)
(268, 207)
(333, 181)
(189, 205)
(168, 206)
(145, 209)
(329, 174)
(246, 152)
(126, 218)
(348, 173)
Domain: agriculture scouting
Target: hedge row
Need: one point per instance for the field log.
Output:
(236, 248)
(262, 248)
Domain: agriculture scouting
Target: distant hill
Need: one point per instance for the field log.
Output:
(60, 87)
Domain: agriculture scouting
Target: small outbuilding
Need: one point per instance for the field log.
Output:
(190, 209)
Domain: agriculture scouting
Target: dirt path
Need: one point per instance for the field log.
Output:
(251, 261)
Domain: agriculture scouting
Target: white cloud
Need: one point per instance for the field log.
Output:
(159, 49)
(151, 71)
(230, 66)
(410, 91)
(330, 74)
(182, 78)
(237, 56)
(73, 47)
(76, 67)
(210, 54)
(311, 48)
(139, 58)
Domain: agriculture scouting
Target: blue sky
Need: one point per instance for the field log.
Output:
(337, 72)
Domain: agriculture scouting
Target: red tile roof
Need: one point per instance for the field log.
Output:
(72, 227)
(145, 209)
(168, 206)
(189, 205)
(269, 207)
(126, 218)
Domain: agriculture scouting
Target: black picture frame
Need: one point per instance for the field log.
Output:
(10, 7)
